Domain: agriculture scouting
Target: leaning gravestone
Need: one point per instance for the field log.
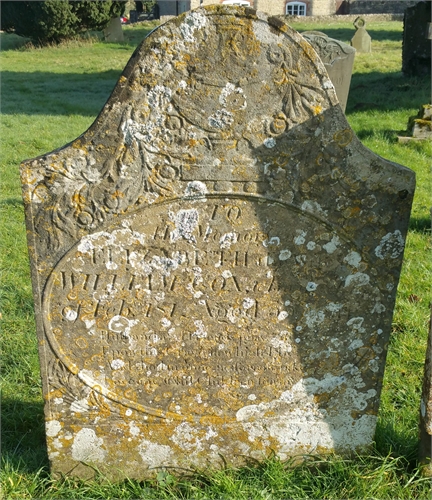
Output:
(215, 260)
(361, 40)
(425, 445)
(338, 59)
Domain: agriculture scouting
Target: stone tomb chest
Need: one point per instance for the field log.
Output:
(215, 260)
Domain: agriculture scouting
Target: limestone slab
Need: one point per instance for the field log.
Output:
(338, 59)
(215, 260)
(361, 40)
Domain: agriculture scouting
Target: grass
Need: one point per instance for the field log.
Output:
(50, 96)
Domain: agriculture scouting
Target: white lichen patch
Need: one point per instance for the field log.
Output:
(117, 364)
(353, 259)
(121, 324)
(52, 427)
(200, 331)
(282, 315)
(70, 314)
(357, 279)
(284, 254)
(378, 308)
(159, 96)
(221, 119)
(273, 241)
(314, 207)
(314, 317)
(186, 437)
(232, 97)
(185, 223)
(227, 240)
(281, 343)
(391, 246)
(165, 322)
(300, 238)
(193, 21)
(355, 344)
(87, 447)
(311, 286)
(134, 429)
(270, 142)
(153, 454)
(248, 303)
(334, 307)
(196, 188)
(332, 245)
(356, 324)
(296, 421)
(119, 238)
(79, 406)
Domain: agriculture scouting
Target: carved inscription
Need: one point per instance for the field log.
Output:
(177, 302)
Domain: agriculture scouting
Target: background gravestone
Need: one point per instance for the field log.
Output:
(361, 40)
(425, 448)
(215, 261)
(338, 59)
(114, 32)
(416, 47)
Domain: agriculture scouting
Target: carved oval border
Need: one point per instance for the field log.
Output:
(114, 396)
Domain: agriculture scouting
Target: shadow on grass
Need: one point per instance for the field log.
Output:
(43, 93)
(420, 224)
(11, 202)
(389, 441)
(23, 435)
(387, 92)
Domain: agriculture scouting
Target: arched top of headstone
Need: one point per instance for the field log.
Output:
(360, 22)
(210, 94)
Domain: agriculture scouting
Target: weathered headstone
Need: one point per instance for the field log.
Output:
(338, 59)
(361, 40)
(420, 126)
(417, 44)
(114, 32)
(215, 260)
(425, 448)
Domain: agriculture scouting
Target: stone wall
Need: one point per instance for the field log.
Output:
(379, 6)
(323, 8)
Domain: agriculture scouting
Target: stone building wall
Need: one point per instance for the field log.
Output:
(379, 6)
(322, 8)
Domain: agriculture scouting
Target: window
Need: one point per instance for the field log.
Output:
(296, 9)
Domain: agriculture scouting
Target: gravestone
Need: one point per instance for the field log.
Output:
(338, 59)
(361, 40)
(425, 448)
(416, 47)
(215, 261)
(420, 126)
(114, 32)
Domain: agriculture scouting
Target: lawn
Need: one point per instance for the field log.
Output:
(49, 97)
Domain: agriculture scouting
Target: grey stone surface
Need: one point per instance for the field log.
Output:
(420, 126)
(417, 46)
(215, 261)
(425, 449)
(361, 40)
(338, 59)
(114, 32)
